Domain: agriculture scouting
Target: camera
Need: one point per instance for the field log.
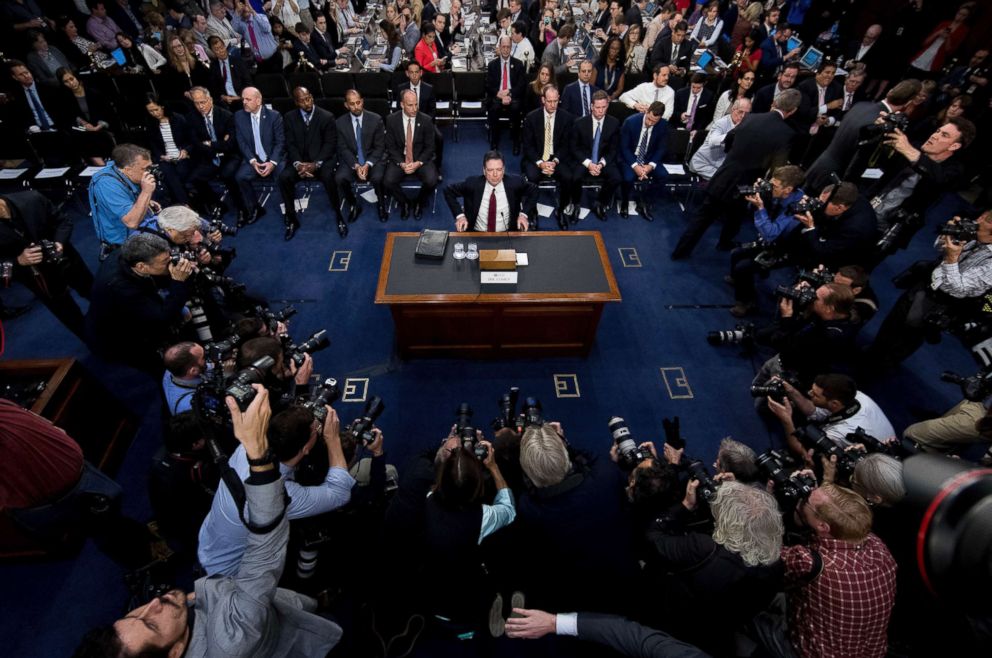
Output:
(273, 318)
(531, 412)
(50, 252)
(815, 278)
(788, 490)
(759, 187)
(156, 172)
(240, 387)
(507, 404)
(707, 485)
(317, 341)
(217, 351)
(801, 296)
(225, 282)
(889, 124)
(361, 427)
(177, 254)
(902, 222)
(742, 334)
(774, 390)
(629, 453)
(466, 432)
(218, 225)
(324, 394)
(807, 204)
(976, 388)
(6, 272)
(964, 230)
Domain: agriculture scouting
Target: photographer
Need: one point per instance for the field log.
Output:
(841, 233)
(653, 485)
(120, 195)
(34, 238)
(291, 434)
(284, 379)
(737, 459)
(182, 227)
(243, 614)
(184, 364)
(734, 573)
(137, 301)
(965, 423)
(952, 290)
(840, 585)
(835, 405)
(774, 224)
(865, 299)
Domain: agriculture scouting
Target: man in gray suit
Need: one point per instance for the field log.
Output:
(554, 54)
(241, 615)
(837, 158)
(360, 160)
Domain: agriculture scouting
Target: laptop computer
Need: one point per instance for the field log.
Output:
(811, 58)
(793, 43)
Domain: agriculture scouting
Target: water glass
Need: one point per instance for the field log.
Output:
(473, 251)
(459, 252)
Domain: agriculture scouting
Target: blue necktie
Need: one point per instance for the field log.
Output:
(585, 100)
(213, 137)
(595, 146)
(358, 142)
(39, 109)
(642, 148)
(257, 134)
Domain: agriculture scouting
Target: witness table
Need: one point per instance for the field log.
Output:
(440, 309)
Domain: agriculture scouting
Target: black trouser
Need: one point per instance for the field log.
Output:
(563, 176)
(743, 269)
(394, 177)
(51, 286)
(498, 109)
(345, 176)
(608, 181)
(905, 327)
(712, 209)
(290, 177)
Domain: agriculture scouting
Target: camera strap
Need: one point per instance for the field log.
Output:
(237, 489)
(843, 414)
(813, 574)
(120, 178)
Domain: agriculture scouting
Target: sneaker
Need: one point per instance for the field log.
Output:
(743, 309)
(517, 601)
(497, 625)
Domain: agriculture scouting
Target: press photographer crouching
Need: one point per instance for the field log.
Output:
(183, 227)
(137, 303)
(185, 363)
(840, 230)
(291, 435)
(939, 295)
(244, 613)
(288, 372)
(652, 484)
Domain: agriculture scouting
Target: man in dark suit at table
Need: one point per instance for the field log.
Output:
(215, 146)
(311, 153)
(693, 104)
(491, 201)
(593, 158)
(360, 160)
(410, 152)
(643, 138)
(262, 143)
(546, 135)
(786, 80)
(426, 103)
(576, 97)
(752, 148)
(228, 74)
(675, 51)
(505, 85)
(304, 50)
(321, 40)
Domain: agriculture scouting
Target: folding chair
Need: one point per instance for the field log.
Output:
(336, 83)
(271, 85)
(374, 84)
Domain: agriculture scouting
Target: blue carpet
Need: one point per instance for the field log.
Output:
(650, 361)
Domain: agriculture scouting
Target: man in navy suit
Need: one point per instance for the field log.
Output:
(363, 160)
(693, 104)
(228, 74)
(426, 103)
(410, 152)
(262, 143)
(643, 138)
(595, 140)
(492, 202)
(215, 147)
(577, 96)
(505, 85)
(546, 152)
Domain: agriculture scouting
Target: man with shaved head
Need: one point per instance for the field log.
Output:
(262, 143)
(311, 154)
(410, 152)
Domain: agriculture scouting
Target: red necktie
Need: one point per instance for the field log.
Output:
(254, 42)
(506, 77)
(491, 219)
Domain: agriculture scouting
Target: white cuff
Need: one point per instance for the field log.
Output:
(567, 623)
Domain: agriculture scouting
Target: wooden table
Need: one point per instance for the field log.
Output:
(439, 308)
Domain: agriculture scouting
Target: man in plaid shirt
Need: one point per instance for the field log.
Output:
(846, 579)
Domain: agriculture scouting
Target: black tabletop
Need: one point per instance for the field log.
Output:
(558, 264)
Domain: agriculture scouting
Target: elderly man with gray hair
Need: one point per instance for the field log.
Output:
(183, 227)
(137, 301)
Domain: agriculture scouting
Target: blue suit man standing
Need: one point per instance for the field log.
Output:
(643, 138)
(262, 143)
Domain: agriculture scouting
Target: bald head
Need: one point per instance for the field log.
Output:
(251, 98)
(872, 34)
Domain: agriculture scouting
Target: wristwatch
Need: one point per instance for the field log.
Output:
(264, 460)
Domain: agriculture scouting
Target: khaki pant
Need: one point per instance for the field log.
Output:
(955, 428)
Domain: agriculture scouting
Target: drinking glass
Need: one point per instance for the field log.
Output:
(459, 252)
(473, 251)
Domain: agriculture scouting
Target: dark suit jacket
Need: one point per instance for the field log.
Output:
(317, 142)
(571, 98)
(809, 105)
(627, 637)
(272, 135)
(324, 49)
(602, 21)
(582, 137)
(494, 77)
(373, 139)
(98, 108)
(429, 12)
(704, 107)
(428, 101)
(630, 135)
(182, 135)
(762, 101)
(845, 240)
(752, 148)
(240, 77)
(38, 218)
(534, 135)
(661, 53)
(465, 198)
(874, 59)
(309, 53)
(226, 142)
(423, 138)
(19, 110)
(838, 155)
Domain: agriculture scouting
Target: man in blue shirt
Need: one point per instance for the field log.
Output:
(121, 195)
(184, 363)
(291, 435)
(256, 31)
(774, 224)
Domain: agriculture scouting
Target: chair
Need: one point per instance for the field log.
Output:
(567, 78)
(411, 182)
(470, 96)
(272, 85)
(60, 165)
(379, 106)
(333, 105)
(336, 83)
(678, 153)
(620, 111)
(282, 105)
(308, 79)
(373, 84)
(444, 91)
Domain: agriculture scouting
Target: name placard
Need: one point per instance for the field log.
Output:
(499, 278)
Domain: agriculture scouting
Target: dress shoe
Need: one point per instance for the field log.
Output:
(642, 210)
(575, 216)
(743, 309)
(600, 211)
(383, 212)
(625, 209)
(291, 227)
(418, 211)
(404, 209)
(342, 228)
(11, 312)
(259, 213)
(354, 210)
(562, 222)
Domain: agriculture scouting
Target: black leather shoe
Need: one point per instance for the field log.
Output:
(624, 209)
(418, 211)
(11, 312)
(342, 228)
(574, 219)
(642, 210)
(291, 227)
(383, 212)
(600, 211)
(404, 209)
(249, 217)
(354, 210)
(562, 222)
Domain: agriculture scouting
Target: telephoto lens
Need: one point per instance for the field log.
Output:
(629, 454)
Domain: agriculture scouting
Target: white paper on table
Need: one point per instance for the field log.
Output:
(583, 212)
(544, 211)
(675, 169)
(521, 259)
(10, 174)
(872, 174)
(370, 196)
(90, 171)
(54, 172)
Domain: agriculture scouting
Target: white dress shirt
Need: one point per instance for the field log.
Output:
(502, 209)
(596, 124)
(524, 52)
(711, 154)
(647, 93)
(554, 151)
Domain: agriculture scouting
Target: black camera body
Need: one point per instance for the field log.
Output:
(315, 343)
(815, 278)
(220, 350)
(466, 432)
(742, 334)
(807, 204)
(177, 254)
(532, 413)
(707, 485)
(50, 254)
(759, 187)
(903, 223)
(156, 172)
(323, 395)
(240, 386)
(889, 124)
(976, 388)
(801, 296)
(813, 437)
(216, 224)
(507, 404)
(273, 318)
(964, 230)
(788, 490)
(361, 427)
(628, 452)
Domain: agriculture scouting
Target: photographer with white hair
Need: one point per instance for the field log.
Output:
(183, 227)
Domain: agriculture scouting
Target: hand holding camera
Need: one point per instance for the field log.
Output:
(250, 425)
(31, 255)
(181, 270)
